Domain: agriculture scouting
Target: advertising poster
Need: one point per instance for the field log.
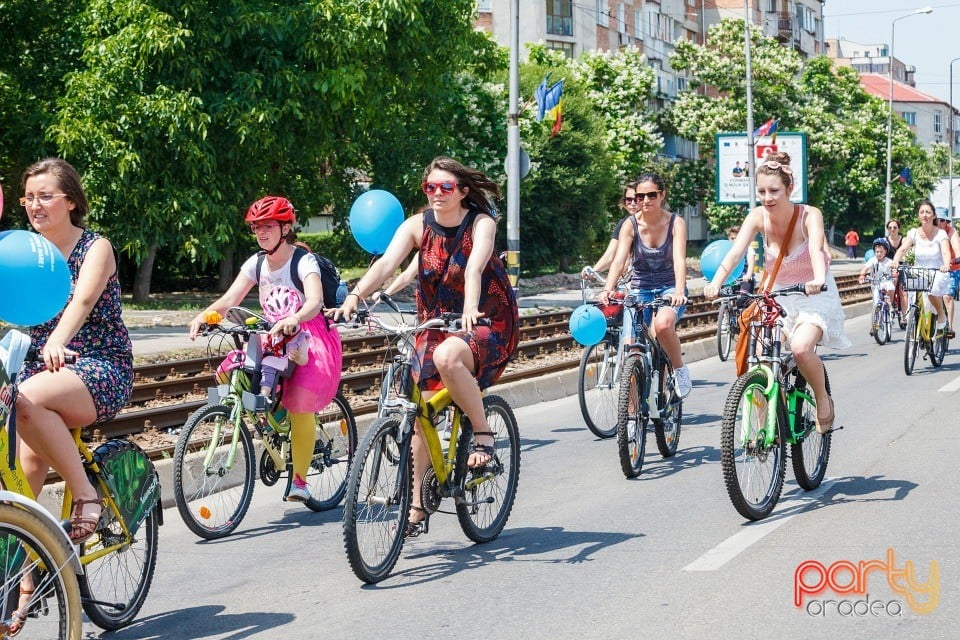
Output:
(733, 178)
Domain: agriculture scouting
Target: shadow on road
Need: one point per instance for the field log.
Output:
(200, 622)
(293, 518)
(554, 545)
(684, 459)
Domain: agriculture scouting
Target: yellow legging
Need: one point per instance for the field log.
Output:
(303, 433)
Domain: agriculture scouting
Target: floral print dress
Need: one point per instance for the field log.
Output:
(441, 290)
(105, 363)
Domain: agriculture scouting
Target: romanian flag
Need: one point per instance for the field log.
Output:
(550, 103)
(905, 177)
(768, 128)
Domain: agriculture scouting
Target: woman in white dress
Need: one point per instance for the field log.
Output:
(931, 250)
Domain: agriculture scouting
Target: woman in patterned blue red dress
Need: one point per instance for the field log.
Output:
(458, 273)
(57, 397)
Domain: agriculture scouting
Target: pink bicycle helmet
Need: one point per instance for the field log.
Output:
(280, 303)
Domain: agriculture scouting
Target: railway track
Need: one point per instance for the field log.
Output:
(165, 394)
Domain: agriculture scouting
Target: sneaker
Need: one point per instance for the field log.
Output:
(299, 491)
(684, 386)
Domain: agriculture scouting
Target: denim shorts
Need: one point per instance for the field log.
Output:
(954, 284)
(647, 295)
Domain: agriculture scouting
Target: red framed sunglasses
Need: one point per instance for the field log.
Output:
(446, 188)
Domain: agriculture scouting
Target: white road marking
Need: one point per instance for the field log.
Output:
(950, 387)
(752, 533)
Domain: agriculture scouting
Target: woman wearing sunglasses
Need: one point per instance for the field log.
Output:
(655, 242)
(458, 273)
(797, 231)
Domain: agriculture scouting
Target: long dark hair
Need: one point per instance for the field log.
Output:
(483, 191)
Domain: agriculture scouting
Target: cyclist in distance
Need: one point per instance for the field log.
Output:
(655, 242)
(458, 273)
(816, 318)
(313, 384)
(56, 397)
(931, 249)
(879, 268)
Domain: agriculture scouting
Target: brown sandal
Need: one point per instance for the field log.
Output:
(415, 529)
(825, 426)
(19, 617)
(81, 526)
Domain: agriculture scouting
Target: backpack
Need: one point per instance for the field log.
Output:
(329, 274)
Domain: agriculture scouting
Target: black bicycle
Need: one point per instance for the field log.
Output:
(647, 394)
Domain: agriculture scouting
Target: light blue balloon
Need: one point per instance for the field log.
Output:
(34, 278)
(374, 218)
(869, 254)
(588, 325)
(713, 254)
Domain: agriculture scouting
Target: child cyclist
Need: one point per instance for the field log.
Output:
(879, 268)
(313, 384)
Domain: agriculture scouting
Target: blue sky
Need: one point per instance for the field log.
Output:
(927, 41)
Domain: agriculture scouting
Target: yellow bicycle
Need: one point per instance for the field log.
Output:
(380, 479)
(921, 330)
(114, 567)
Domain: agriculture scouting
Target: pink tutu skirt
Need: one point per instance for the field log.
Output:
(313, 385)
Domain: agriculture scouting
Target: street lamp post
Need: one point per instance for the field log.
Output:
(886, 202)
(953, 136)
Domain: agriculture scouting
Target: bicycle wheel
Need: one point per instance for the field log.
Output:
(597, 390)
(938, 348)
(753, 472)
(667, 427)
(213, 476)
(724, 332)
(377, 506)
(879, 326)
(489, 492)
(911, 342)
(332, 453)
(631, 418)
(811, 452)
(28, 546)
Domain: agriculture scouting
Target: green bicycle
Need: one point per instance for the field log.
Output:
(214, 465)
(769, 407)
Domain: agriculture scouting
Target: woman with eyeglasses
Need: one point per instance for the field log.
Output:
(655, 242)
(816, 318)
(56, 397)
(312, 385)
(459, 273)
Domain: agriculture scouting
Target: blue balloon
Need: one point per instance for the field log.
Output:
(374, 218)
(869, 254)
(588, 325)
(713, 254)
(34, 278)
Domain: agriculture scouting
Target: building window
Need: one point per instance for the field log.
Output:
(566, 47)
(603, 15)
(638, 23)
(910, 117)
(483, 6)
(621, 18)
(560, 17)
(937, 121)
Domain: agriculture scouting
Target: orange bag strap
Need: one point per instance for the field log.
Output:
(766, 283)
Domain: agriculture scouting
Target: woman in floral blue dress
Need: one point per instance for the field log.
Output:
(56, 397)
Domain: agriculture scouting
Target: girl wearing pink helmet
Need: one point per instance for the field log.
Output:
(314, 383)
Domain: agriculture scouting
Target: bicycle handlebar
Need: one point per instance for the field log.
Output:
(451, 322)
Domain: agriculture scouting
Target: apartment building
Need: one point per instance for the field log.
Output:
(928, 117)
(794, 23)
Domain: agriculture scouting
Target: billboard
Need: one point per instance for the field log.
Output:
(732, 164)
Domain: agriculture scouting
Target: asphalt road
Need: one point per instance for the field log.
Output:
(589, 554)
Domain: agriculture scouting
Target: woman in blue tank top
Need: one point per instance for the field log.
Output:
(656, 243)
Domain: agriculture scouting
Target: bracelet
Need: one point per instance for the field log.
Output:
(722, 267)
(353, 293)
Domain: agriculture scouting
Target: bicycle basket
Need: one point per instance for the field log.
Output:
(613, 312)
(917, 278)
